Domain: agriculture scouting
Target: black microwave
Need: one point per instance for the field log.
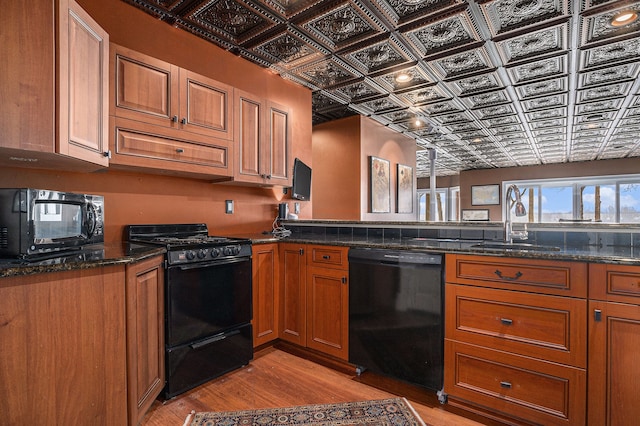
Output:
(36, 222)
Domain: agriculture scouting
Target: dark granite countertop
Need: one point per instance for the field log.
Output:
(88, 257)
(597, 253)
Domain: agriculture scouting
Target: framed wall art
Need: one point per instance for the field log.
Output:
(404, 191)
(485, 195)
(380, 187)
(478, 214)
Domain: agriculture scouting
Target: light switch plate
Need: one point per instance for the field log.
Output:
(228, 206)
(296, 208)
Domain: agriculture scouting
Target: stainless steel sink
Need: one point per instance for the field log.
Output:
(498, 245)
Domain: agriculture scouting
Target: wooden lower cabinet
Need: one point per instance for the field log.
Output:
(265, 293)
(328, 311)
(63, 348)
(314, 296)
(516, 338)
(614, 339)
(145, 335)
(292, 290)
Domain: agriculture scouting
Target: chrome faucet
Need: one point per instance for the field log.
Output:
(514, 195)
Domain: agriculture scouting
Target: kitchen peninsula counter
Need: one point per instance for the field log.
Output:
(93, 256)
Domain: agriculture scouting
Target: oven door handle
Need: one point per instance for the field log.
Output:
(213, 339)
(213, 263)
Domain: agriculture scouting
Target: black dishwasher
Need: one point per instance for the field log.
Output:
(396, 325)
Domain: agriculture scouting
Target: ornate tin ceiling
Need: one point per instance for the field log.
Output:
(496, 83)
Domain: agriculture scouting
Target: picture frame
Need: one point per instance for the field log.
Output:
(379, 185)
(404, 190)
(475, 214)
(485, 195)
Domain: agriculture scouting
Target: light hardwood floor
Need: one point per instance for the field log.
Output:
(279, 379)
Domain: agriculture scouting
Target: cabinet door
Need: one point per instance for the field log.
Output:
(205, 106)
(145, 335)
(614, 371)
(293, 293)
(83, 85)
(265, 293)
(276, 148)
(248, 118)
(146, 88)
(328, 311)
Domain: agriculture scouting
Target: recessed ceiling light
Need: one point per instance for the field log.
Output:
(403, 77)
(624, 18)
(418, 122)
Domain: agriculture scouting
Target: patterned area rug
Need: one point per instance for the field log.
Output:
(392, 412)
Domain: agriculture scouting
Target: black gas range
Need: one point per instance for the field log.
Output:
(208, 302)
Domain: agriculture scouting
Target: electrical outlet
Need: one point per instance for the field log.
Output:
(296, 208)
(228, 206)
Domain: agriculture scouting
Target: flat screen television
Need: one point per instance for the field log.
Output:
(301, 181)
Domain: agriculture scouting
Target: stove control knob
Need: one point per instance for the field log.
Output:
(215, 252)
(202, 253)
(231, 250)
(191, 255)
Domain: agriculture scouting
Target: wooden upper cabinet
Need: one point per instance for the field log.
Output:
(263, 138)
(54, 102)
(157, 92)
(206, 106)
(83, 82)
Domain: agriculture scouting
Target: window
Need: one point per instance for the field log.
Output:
(608, 199)
(447, 204)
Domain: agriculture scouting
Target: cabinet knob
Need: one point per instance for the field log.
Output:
(326, 257)
(179, 150)
(183, 121)
(505, 385)
(107, 154)
(268, 176)
(174, 118)
(344, 280)
(506, 321)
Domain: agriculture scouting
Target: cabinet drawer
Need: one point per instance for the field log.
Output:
(614, 283)
(532, 275)
(144, 149)
(328, 256)
(540, 392)
(547, 327)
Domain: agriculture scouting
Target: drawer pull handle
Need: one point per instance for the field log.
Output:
(515, 277)
(179, 150)
(326, 257)
(505, 385)
(506, 321)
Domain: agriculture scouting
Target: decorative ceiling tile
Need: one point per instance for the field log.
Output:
(595, 117)
(556, 122)
(452, 32)
(598, 27)
(459, 64)
(404, 79)
(548, 101)
(443, 107)
(608, 75)
(457, 117)
(378, 56)
(400, 116)
(599, 106)
(424, 96)
(481, 100)
(382, 105)
(502, 121)
(547, 114)
(550, 67)
(549, 40)
(611, 53)
(235, 21)
(494, 111)
(508, 15)
(289, 49)
(509, 131)
(286, 8)
(603, 92)
(479, 83)
(402, 11)
(326, 73)
(342, 25)
(542, 88)
(357, 91)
